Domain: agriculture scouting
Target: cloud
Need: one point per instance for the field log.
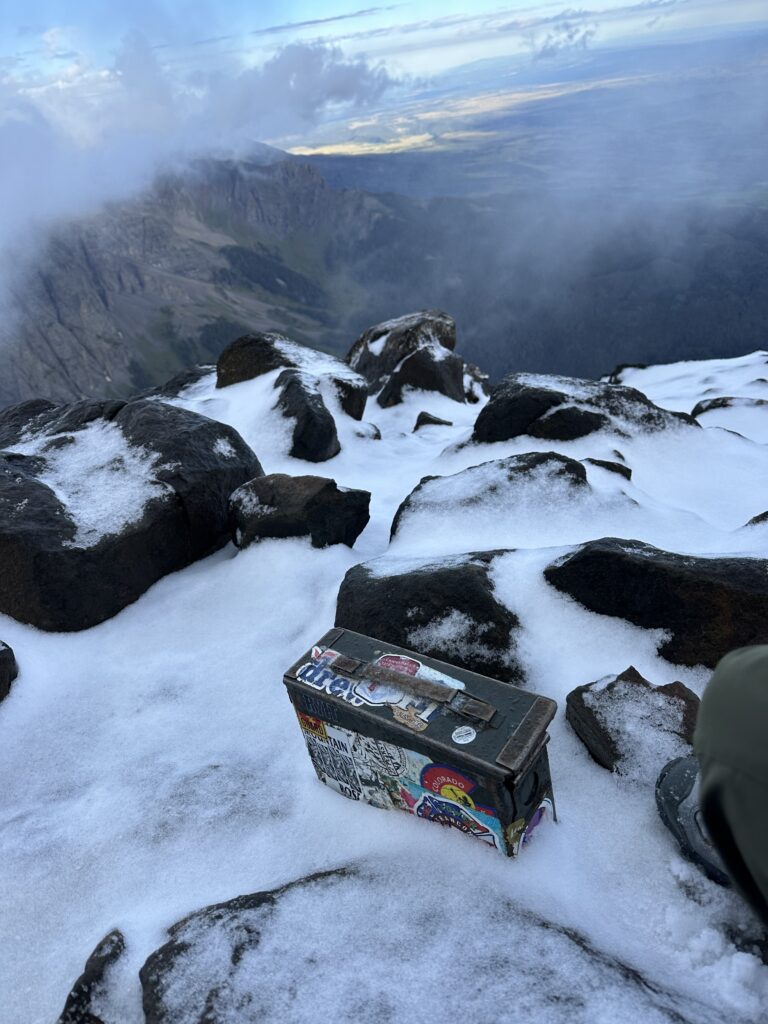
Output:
(86, 134)
(292, 26)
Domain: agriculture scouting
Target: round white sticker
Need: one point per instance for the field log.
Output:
(463, 734)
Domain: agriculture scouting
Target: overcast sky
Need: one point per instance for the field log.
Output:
(94, 95)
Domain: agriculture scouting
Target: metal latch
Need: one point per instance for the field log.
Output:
(459, 701)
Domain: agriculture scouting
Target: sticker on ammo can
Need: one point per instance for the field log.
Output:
(407, 708)
(393, 778)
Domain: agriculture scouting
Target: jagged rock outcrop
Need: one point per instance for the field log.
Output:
(9, 670)
(413, 351)
(444, 608)
(380, 348)
(102, 499)
(630, 726)
(566, 408)
(256, 354)
(709, 606)
(79, 1007)
(278, 505)
(611, 467)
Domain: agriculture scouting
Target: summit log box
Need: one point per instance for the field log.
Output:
(405, 732)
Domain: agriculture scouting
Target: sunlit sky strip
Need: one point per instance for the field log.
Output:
(45, 38)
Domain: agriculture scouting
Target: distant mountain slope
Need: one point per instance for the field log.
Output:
(122, 300)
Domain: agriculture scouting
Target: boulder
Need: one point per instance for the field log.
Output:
(314, 431)
(278, 505)
(105, 499)
(630, 726)
(16, 419)
(708, 606)
(431, 368)
(8, 669)
(205, 972)
(379, 349)
(566, 408)
(494, 487)
(445, 609)
(368, 432)
(179, 382)
(426, 419)
(79, 1008)
(476, 384)
(256, 354)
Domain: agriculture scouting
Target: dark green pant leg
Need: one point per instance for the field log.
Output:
(731, 745)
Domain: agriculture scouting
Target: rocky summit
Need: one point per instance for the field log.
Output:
(167, 556)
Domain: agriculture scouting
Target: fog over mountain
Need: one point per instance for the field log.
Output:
(573, 209)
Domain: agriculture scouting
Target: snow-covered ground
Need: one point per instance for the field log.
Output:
(153, 764)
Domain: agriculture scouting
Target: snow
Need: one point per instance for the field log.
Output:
(103, 481)
(316, 363)
(152, 765)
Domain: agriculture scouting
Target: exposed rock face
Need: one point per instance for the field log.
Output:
(8, 669)
(378, 350)
(179, 382)
(102, 499)
(278, 505)
(78, 1008)
(630, 726)
(204, 972)
(497, 482)
(426, 369)
(314, 433)
(256, 354)
(16, 419)
(426, 419)
(709, 605)
(565, 408)
(445, 609)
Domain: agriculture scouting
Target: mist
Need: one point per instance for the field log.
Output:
(613, 209)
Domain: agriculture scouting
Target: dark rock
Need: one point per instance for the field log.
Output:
(378, 350)
(203, 973)
(427, 369)
(476, 383)
(564, 408)
(724, 402)
(497, 480)
(251, 356)
(445, 609)
(59, 576)
(78, 1007)
(179, 382)
(630, 726)
(568, 424)
(17, 418)
(708, 605)
(369, 432)
(612, 467)
(314, 432)
(278, 505)
(256, 354)
(426, 419)
(352, 397)
(8, 669)
(758, 520)
(616, 375)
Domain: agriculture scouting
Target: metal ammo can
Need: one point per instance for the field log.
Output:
(405, 732)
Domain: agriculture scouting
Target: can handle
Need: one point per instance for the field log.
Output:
(459, 701)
